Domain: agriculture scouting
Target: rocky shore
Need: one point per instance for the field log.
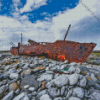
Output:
(40, 78)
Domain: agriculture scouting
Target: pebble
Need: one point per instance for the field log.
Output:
(9, 96)
(13, 86)
(3, 89)
(14, 76)
(74, 98)
(61, 81)
(63, 90)
(43, 85)
(96, 95)
(93, 77)
(69, 93)
(33, 78)
(20, 96)
(58, 98)
(79, 92)
(42, 93)
(31, 89)
(54, 92)
(17, 91)
(71, 69)
(45, 97)
(73, 79)
(82, 82)
(45, 77)
(26, 86)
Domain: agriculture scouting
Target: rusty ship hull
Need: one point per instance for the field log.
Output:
(59, 50)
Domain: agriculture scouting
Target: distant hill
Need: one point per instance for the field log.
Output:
(96, 51)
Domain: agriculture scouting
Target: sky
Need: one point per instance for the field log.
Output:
(48, 20)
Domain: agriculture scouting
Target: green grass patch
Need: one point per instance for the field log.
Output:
(96, 54)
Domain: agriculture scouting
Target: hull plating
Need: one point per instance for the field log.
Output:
(59, 50)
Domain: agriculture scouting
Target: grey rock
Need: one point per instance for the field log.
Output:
(71, 69)
(77, 70)
(61, 81)
(56, 75)
(69, 93)
(33, 98)
(26, 98)
(5, 76)
(7, 67)
(13, 70)
(65, 62)
(47, 68)
(34, 93)
(39, 89)
(56, 67)
(80, 77)
(79, 92)
(73, 79)
(93, 77)
(70, 87)
(50, 84)
(9, 96)
(19, 71)
(17, 91)
(82, 82)
(20, 96)
(74, 98)
(1, 76)
(98, 81)
(3, 90)
(31, 89)
(97, 86)
(45, 77)
(42, 93)
(41, 61)
(91, 90)
(90, 83)
(30, 96)
(32, 65)
(35, 70)
(1, 83)
(62, 66)
(63, 90)
(14, 76)
(96, 95)
(49, 72)
(58, 98)
(26, 66)
(29, 80)
(45, 97)
(73, 64)
(65, 93)
(54, 92)
(15, 57)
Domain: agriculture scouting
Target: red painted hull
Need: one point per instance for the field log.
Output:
(59, 50)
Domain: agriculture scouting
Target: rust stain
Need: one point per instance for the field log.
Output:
(59, 50)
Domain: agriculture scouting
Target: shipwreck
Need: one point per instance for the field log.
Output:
(59, 50)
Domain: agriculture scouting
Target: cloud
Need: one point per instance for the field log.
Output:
(32, 5)
(15, 4)
(85, 28)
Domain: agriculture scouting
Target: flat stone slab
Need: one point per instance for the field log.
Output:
(29, 80)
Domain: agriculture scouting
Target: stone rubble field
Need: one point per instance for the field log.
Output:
(40, 78)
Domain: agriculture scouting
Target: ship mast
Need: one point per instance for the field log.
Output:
(21, 38)
(67, 32)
